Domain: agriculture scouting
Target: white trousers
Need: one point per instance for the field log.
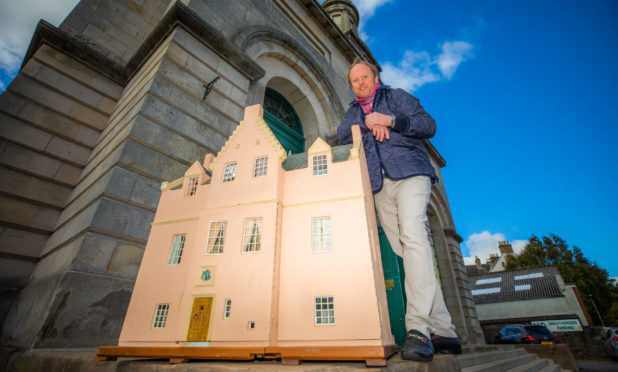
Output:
(402, 209)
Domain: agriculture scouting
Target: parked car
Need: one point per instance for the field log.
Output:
(526, 334)
(611, 343)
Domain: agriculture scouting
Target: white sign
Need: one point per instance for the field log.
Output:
(560, 325)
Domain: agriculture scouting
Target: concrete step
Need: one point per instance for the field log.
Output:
(533, 366)
(501, 365)
(551, 368)
(481, 357)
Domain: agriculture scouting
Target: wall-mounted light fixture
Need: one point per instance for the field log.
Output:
(209, 87)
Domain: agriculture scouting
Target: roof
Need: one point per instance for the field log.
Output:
(516, 285)
(300, 160)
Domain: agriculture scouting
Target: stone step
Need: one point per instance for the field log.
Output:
(532, 366)
(500, 365)
(477, 358)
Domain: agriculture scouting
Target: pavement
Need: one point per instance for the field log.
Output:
(597, 365)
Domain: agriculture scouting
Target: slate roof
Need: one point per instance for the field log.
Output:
(516, 285)
(300, 160)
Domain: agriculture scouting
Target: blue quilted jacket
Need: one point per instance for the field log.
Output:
(403, 155)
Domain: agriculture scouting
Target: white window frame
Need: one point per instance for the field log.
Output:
(252, 239)
(319, 164)
(324, 310)
(216, 237)
(229, 174)
(321, 234)
(178, 245)
(160, 317)
(192, 183)
(260, 167)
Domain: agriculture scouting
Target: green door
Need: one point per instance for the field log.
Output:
(395, 292)
(283, 122)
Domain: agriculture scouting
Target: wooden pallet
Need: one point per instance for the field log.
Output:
(372, 355)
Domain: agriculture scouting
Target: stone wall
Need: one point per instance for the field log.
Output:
(50, 116)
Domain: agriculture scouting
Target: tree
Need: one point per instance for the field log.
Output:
(591, 280)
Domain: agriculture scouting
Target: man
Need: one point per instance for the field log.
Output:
(393, 126)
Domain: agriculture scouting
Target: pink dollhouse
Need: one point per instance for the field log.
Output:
(260, 254)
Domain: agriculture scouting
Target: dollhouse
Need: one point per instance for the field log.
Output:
(259, 254)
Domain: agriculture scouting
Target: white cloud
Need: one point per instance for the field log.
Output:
(366, 9)
(413, 71)
(484, 243)
(453, 54)
(18, 20)
(419, 68)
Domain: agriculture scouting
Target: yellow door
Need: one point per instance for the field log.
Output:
(200, 317)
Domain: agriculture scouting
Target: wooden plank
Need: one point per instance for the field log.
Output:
(234, 353)
(333, 352)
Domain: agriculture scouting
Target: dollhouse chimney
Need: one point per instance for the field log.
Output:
(208, 160)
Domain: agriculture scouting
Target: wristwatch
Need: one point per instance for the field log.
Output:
(392, 121)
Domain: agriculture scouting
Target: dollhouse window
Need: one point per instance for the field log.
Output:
(228, 308)
(321, 234)
(252, 235)
(260, 167)
(216, 237)
(192, 186)
(320, 166)
(177, 246)
(229, 174)
(324, 310)
(160, 316)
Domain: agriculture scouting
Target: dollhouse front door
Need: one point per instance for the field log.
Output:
(200, 318)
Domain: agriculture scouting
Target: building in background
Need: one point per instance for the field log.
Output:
(536, 295)
(125, 95)
(494, 263)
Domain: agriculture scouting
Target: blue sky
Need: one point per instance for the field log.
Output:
(525, 96)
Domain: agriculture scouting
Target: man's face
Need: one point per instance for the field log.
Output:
(363, 80)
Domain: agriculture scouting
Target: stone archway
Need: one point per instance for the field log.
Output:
(292, 72)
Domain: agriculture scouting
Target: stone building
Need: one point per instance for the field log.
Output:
(126, 94)
(527, 295)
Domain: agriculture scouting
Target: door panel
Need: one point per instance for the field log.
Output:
(200, 318)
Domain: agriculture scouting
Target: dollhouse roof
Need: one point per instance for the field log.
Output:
(301, 160)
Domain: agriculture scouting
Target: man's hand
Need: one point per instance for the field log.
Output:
(379, 124)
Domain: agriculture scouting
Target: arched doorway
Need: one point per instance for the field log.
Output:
(283, 121)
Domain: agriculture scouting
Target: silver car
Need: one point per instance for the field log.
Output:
(611, 342)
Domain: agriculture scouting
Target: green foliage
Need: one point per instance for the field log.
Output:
(591, 280)
(611, 317)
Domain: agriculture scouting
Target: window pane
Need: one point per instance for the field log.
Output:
(320, 166)
(321, 234)
(260, 167)
(192, 186)
(216, 237)
(177, 247)
(252, 235)
(229, 174)
(160, 316)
